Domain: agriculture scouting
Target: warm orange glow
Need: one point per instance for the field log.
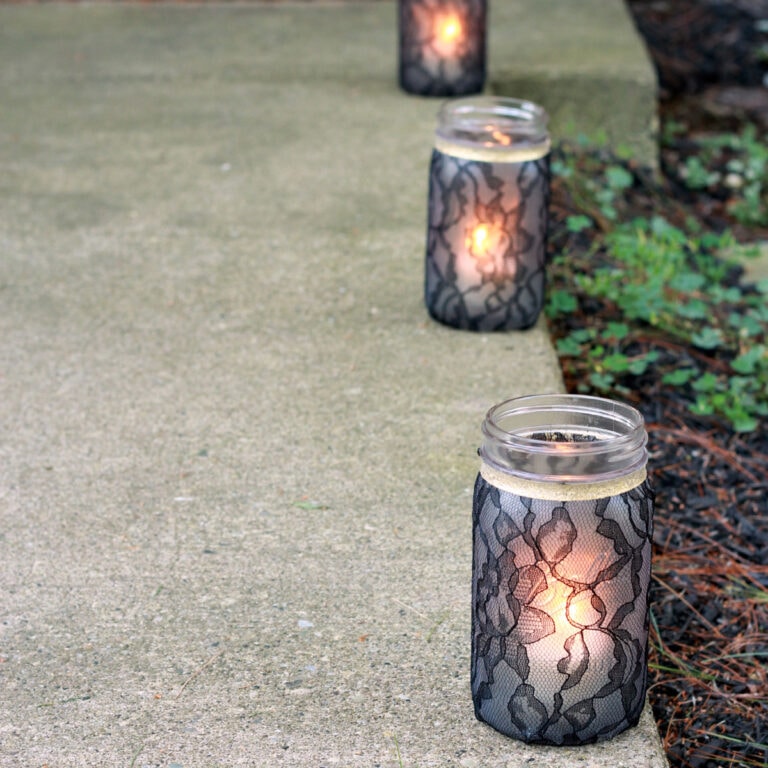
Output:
(501, 138)
(570, 610)
(479, 240)
(580, 610)
(451, 30)
(448, 32)
(485, 247)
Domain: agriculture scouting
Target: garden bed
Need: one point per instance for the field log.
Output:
(644, 307)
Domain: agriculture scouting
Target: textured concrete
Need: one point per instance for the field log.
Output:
(235, 455)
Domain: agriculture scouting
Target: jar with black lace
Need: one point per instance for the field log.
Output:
(562, 523)
(487, 214)
(442, 46)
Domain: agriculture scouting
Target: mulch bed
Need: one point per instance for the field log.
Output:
(709, 602)
(709, 594)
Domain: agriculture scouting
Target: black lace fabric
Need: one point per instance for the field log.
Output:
(560, 614)
(494, 282)
(442, 47)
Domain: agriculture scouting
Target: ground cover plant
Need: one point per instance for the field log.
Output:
(643, 307)
(646, 305)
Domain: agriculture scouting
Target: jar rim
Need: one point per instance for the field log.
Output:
(608, 437)
(507, 106)
(465, 121)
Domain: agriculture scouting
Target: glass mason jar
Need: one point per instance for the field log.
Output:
(442, 46)
(487, 214)
(562, 524)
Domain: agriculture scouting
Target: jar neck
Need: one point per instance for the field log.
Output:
(493, 129)
(575, 439)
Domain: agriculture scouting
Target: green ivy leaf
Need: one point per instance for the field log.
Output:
(702, 407)
(722, 295)
(583, 335)
(559, 168)
(693, 310)
(568, 347)
(617, 363)
(616, 331)
(639, 365)
(578, 223)
(760, 312)
(687, 282)
(747, 324)
(679, 377)
(743, 422)
(601, 381)
(561, 302)
(747, 363)
(661, 228)
(706, 383)
(707, 338)
(719, 401)
(618, 177)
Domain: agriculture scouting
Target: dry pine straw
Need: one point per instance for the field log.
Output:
(709, 598)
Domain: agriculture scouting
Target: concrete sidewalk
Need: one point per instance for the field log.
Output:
(237, 457)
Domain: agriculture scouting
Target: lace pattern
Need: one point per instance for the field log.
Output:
(560, 614)
(442, 47)
(486, 242)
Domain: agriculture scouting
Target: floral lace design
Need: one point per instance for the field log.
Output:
(486, 242)
(560, 614)
(442, 47)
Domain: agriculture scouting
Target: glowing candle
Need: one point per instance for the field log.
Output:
(448, 34)
(442, 46)
(562, 523)
(487, 214)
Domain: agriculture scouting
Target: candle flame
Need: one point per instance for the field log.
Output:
(448, 32)
(501, 138)
(449, 29)
(486, 244)
(478, 240)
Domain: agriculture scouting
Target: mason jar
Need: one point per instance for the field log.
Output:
(487, 214)
(562, 524)
(442, 46)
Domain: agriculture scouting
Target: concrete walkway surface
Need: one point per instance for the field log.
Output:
(236, 456)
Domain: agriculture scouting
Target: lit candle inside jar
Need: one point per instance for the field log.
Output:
(448, 33)
(442, 46)
(483, 247)
(562, 523)
(487, 214)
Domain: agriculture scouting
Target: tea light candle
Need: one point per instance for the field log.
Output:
(442, 46)
(562, 523)
(487, 214)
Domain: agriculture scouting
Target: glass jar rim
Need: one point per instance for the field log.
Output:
(528, 437)
(504, 106)
(522, 121)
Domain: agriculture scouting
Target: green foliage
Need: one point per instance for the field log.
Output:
(618, 177)
(561, 302)
(697, 175)
(744, 158)
(578, 223)
(662, 281)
